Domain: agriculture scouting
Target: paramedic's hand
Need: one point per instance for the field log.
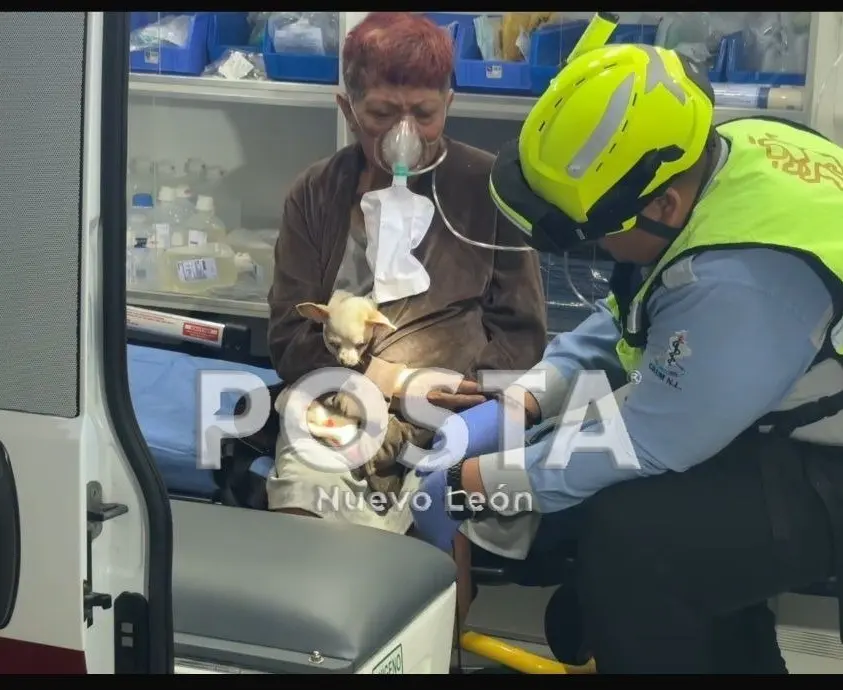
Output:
(431, 517)
(482, 424)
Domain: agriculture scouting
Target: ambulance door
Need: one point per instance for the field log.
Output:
(85, 528)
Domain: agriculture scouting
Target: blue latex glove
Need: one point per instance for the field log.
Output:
(484, 424)
(431, 517)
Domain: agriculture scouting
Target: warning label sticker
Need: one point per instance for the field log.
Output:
(201, 332)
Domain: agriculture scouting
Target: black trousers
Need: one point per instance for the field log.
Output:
(673, 572)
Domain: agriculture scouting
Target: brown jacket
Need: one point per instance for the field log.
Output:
(484, 310)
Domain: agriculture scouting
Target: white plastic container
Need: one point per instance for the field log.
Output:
(198, 269)
(204, 225)
(166, 219)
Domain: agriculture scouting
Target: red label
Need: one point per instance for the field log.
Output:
(195, 330)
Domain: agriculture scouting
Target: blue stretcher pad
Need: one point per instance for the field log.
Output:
(165, 388)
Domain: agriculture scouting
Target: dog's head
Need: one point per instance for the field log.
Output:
(348, 324)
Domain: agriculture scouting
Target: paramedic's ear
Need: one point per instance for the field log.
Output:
(378, 319)
(315, 312)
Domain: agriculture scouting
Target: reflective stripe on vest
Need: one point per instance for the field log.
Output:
(780, 188)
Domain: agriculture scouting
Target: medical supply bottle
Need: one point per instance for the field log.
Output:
(225, 206)
(139, 179)
(261, 253)
(194, 174)
(184, 202)
(204, 226)
(166, 175)
(141, 258)
(139, 219)
(198, 269)
(166, 219)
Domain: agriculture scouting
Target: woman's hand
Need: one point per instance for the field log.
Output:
(467, 395)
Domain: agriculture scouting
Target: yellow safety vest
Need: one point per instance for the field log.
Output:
(781, 187)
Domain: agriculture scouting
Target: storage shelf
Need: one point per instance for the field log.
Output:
(211, 305)
(234, 91)
(482, 106)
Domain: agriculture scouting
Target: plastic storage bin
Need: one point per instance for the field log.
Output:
(635, 33)
(736, 73)
(190, 60)
(308, 69)
(550, 46)
(472, 73)
(229, 31)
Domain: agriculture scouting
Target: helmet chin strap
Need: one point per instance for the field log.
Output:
(668, 232)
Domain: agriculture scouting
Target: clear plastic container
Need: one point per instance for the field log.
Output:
(166, 175)
(198, 269)
(260, 252)
(142, 268)
(140, 179)
(204, 225)
(139, 220)
(166, 219)
(194, 175)
(184, 203)
(227, 207)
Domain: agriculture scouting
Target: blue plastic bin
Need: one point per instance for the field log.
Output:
(307, 69)
(229, 31)
(549, 48)
(190, 60)
(635, 33)
(736, 73)
(472, 73)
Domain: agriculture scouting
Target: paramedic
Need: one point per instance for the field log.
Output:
(454, 305)
(731, 339)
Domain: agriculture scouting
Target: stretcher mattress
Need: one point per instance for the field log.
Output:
(165, 388)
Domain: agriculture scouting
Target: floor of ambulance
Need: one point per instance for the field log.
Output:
(509, 612)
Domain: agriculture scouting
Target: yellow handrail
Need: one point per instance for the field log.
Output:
(517, 659)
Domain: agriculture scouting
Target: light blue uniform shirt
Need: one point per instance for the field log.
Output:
(752, 321)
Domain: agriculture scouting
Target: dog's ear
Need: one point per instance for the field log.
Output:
(375, 318)
(315, 312)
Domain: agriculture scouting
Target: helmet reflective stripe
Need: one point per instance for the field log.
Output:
(613, 118)
(657, 74)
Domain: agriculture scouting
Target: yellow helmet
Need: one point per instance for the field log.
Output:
(611, 131)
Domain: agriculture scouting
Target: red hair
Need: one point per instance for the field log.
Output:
(397, 49)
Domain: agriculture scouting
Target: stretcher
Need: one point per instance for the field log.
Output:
(333, 611)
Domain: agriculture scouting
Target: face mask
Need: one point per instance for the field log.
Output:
(402, 150)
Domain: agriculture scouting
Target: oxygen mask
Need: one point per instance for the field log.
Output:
(404, 152)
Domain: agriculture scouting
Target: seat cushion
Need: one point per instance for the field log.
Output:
(295, 585)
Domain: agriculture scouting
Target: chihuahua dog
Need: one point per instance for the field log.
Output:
(349, 324)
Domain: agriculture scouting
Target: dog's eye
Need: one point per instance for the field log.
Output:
(334, 342)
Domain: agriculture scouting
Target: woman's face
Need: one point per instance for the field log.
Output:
(371, 116)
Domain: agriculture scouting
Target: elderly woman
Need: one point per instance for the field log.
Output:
(454, 305)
